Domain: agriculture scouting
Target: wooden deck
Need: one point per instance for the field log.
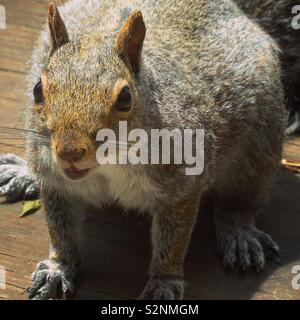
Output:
(116, 249)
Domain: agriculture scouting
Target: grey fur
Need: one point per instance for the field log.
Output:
(275, 17)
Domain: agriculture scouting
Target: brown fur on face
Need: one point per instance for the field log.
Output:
(72, 129)
(79, 99)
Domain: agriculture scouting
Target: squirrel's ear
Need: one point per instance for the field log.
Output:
(130, 40)
(58, 31)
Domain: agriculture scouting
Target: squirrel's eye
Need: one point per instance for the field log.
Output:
(124, 99)
(38, 93)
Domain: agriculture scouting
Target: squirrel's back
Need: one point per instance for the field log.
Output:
(172, 25)
(276, 17)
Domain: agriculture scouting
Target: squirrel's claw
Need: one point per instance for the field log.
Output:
(163, 289)
(32, 191)
(246, 248)
(50, 281)
(16, 181)
(10, 158)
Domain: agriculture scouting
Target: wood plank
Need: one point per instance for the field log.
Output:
(291, 150)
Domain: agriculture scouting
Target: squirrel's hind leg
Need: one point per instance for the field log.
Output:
(239, 242)
(16, 180)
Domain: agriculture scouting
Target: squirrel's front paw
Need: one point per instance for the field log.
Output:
(51, 280)
(16, 181)
(163, 289)
(246, 247)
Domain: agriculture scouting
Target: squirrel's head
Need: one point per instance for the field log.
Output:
(88, 85)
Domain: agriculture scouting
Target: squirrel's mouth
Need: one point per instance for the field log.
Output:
(74, 173)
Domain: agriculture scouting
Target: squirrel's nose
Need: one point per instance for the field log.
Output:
(71, 155)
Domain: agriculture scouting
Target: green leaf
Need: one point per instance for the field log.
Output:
(30, 207)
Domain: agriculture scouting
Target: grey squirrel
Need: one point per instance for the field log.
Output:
(156, 64)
